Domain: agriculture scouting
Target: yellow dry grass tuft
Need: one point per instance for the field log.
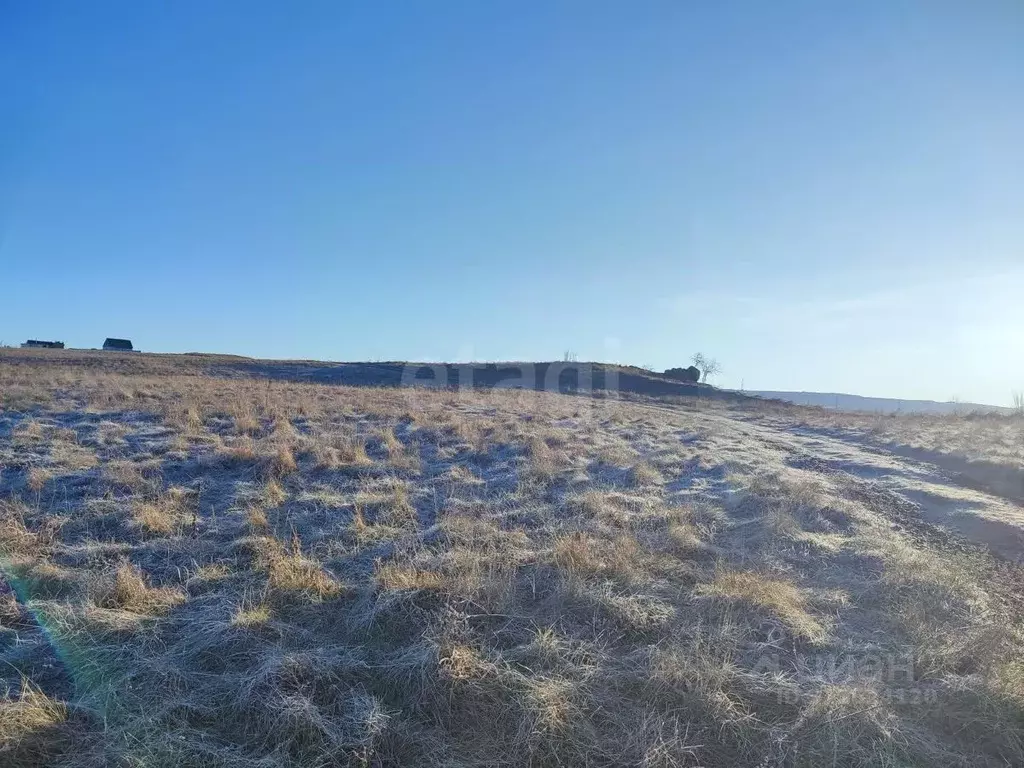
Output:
(31, 726)
(38, 478)
(397, 576)
(644, 475)
(290, 572)
(587, 555)
(127, 589)
(273, 493)
(128, 476)
(70, 455)
(257, 520)
(164, 515)
(239, 450)
(251, 616)
(780, 598)
(283, 462)
(684, 536)
(545, 463)
(246, 421)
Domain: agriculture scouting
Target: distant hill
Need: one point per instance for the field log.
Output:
(556, 376)
(843, 402)
(550, 376)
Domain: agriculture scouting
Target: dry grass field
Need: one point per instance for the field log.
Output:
(204, 571)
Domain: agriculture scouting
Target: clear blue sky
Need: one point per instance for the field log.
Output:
(825, 196)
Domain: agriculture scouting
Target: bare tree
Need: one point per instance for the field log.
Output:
(711, 368)
(1018, 403)
(708, 366)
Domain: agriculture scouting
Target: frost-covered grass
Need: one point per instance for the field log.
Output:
(214, 572)
(995, 438)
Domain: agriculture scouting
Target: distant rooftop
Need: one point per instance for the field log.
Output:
(121, 344)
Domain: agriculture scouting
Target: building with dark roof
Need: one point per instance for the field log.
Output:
(120, 345)
(37, 344)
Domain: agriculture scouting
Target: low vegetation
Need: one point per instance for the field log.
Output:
(204, 571)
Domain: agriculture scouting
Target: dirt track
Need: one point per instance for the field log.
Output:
(978, 501)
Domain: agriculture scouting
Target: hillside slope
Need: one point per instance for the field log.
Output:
(211, 571)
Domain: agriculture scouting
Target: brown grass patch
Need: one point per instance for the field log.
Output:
(398, 576)
(165, 514)
(33, 728)
(584, 554)
(251, 616)
(240, 450)
(128, 590)
(126, 476)
(245, 420)
(257, 520)
(643, 475)
(291, 572)
(781, 598)
(38, 478)
(283, 462)
(43, 580)
(273, 493)
(72, 456)
(387, 504)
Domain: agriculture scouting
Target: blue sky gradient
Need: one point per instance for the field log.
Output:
(823, 196)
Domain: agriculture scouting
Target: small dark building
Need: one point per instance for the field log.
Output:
(37, 344)
(120, 345)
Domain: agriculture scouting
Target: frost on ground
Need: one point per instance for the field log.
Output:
(211, 572)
